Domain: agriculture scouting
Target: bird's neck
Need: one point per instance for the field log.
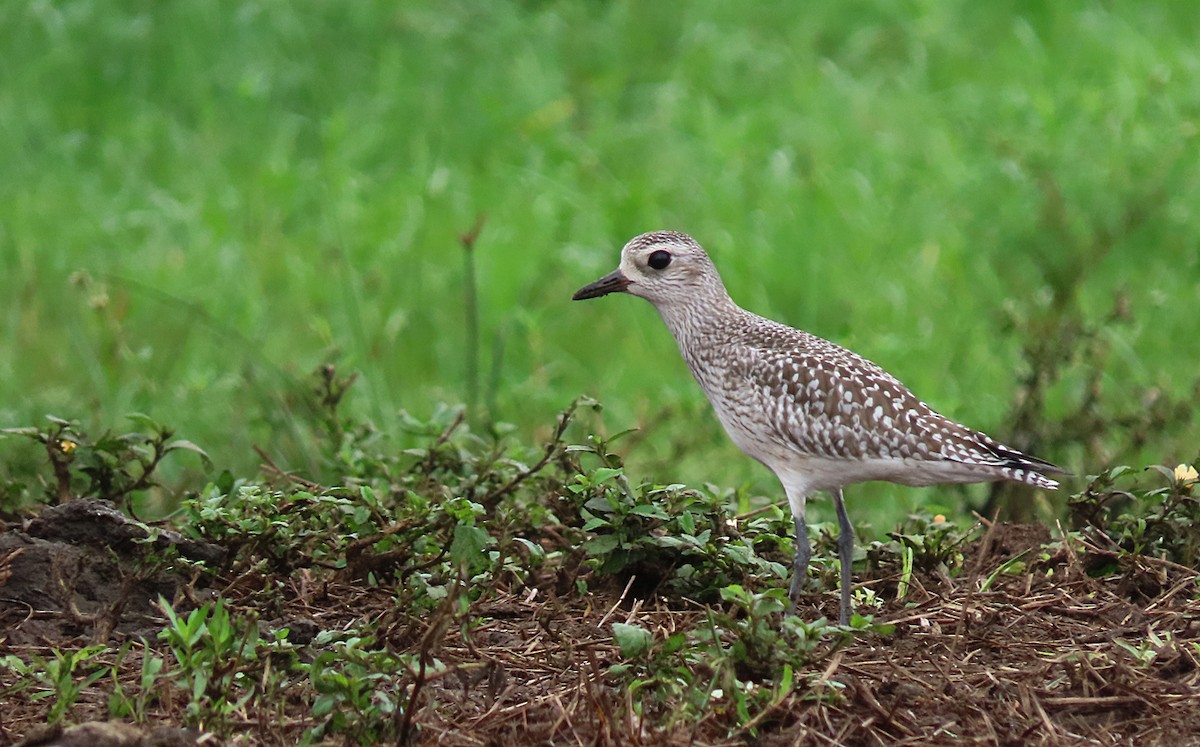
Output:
(698, 316)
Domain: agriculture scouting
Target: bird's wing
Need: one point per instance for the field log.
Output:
(827, 401)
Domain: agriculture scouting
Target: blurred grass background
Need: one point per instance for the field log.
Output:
(202, 202)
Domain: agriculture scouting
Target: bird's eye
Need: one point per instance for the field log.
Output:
(659, 259)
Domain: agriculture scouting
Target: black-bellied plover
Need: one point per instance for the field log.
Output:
(819, 416)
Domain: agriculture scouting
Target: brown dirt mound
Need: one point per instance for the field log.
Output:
(73, 572)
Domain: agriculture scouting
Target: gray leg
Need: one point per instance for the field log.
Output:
(845, 555)
(799, 561)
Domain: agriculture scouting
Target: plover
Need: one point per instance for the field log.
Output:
(819, 416)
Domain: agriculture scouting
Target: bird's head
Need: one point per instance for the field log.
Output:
(663, 267)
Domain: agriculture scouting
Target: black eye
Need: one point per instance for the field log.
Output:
(659, 259)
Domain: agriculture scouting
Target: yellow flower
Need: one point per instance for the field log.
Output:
(1185, 474)
(939, 519)
(66, 446)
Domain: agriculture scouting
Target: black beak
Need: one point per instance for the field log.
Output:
(613, 282)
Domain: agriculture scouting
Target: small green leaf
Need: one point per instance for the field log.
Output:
(786, 680)
(145, 421)
(189, 446)
(599, 504)
(593, 523)
(27, 432)
(225, 482)
(602, 545)
(674, 643)
(619, 670)
(468, 544)
(651, 511)
(634, 641)
(687, 522)
(324, 705)
(735, 593)
(1167, 472)
(536, 552)
(603, 474)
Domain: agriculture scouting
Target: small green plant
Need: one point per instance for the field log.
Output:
(763, 639)
(865, 596)
(134, 706)
(738, 666)
(1011, 567)
(459, 504)
(112, 466)
(906, 571)
(922, 544)
(219, 662)
(936, 544)
(287, 530)
(62, 677)
(1146, 651)
(1162, 521)
(670, 676)
(357, 692)
(688, 539)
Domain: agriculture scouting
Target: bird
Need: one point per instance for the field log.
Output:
(819, 416)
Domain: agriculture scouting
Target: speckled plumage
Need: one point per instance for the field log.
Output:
(818, 415)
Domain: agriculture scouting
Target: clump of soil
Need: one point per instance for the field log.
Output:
(85, 571)
(109, 734)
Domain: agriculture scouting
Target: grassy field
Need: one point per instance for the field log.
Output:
(203, 202)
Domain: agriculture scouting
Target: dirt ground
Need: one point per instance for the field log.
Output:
(1052, 655)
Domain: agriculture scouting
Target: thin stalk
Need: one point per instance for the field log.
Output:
(471, 306)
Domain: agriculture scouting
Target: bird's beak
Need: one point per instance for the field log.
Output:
(613, 282)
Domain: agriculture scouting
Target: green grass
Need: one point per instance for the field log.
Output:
(203, 202)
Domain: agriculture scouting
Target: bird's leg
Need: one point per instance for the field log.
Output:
(845, 555)
(799, 561)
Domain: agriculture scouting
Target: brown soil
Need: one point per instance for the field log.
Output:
(1033, 660)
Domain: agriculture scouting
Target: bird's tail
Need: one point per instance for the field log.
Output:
(1023, 467)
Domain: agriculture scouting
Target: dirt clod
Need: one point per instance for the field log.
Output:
(109, 734)
(78, 570)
